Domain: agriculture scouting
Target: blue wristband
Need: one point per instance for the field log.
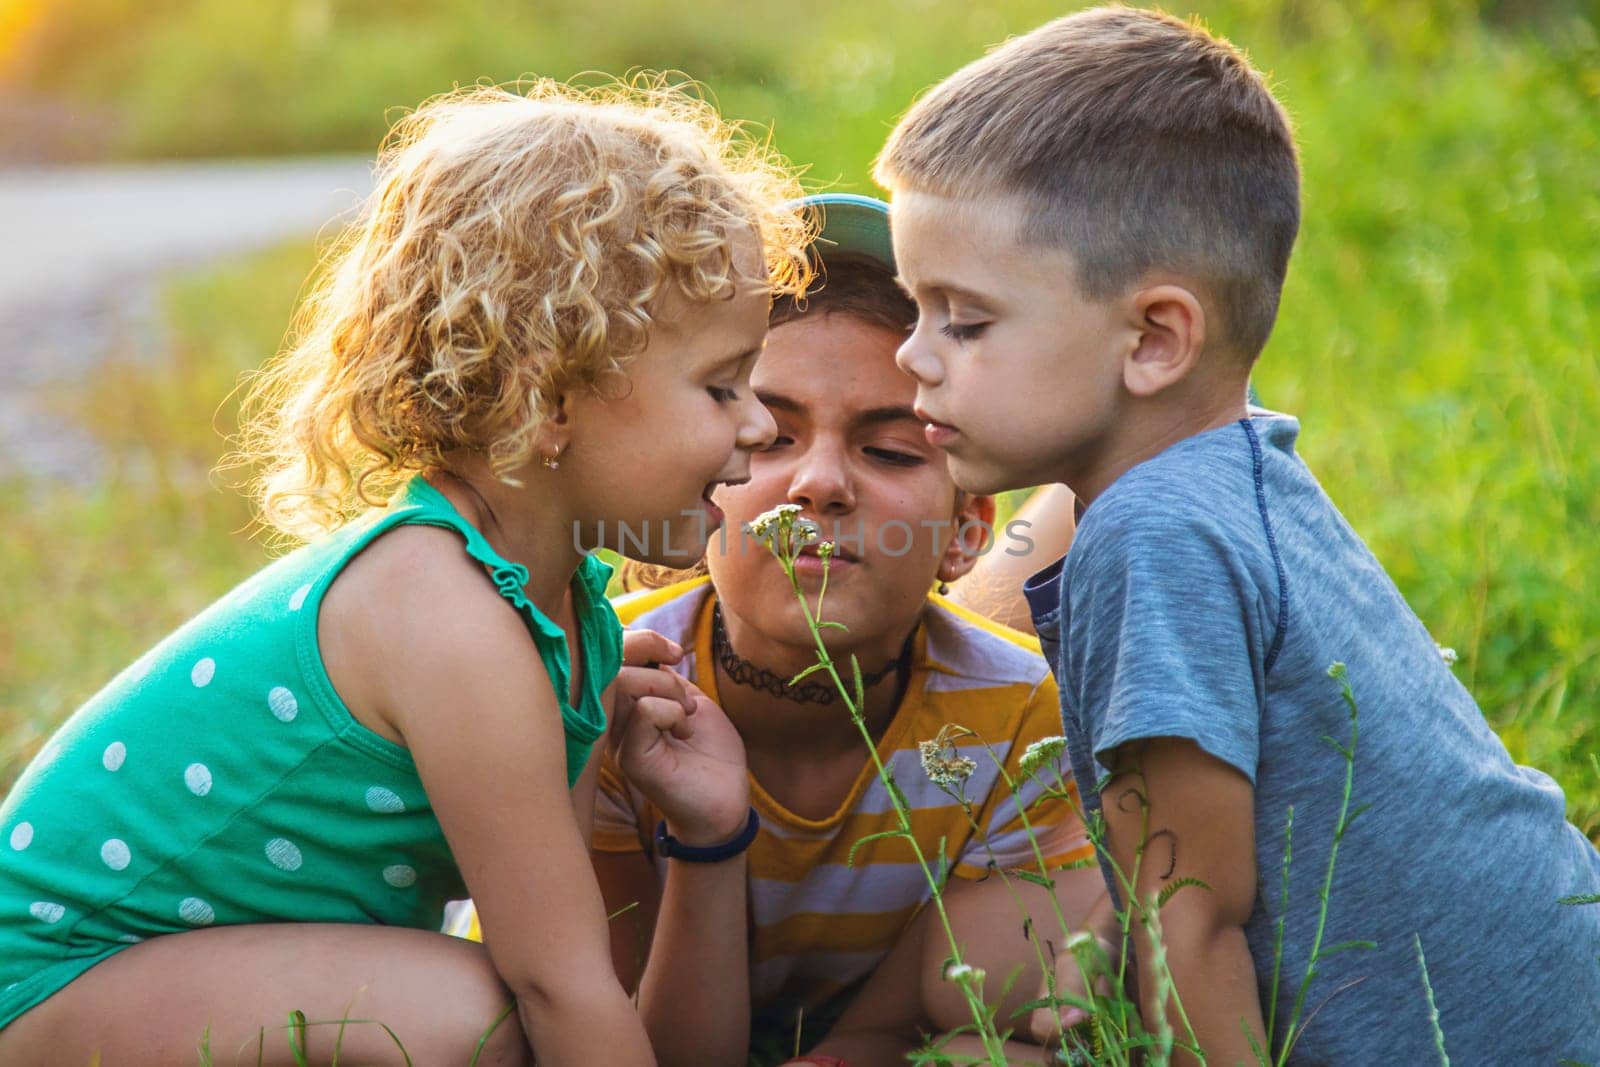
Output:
(673, 849)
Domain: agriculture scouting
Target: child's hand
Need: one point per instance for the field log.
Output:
(677, 746)
(1099, 955)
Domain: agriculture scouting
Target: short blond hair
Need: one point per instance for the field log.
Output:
(517, 246)
(1132, 140)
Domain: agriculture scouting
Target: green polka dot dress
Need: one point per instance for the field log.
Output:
(220, 779)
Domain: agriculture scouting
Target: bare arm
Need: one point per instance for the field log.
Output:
(1043, 527)
(1174, 812)
(475, 706)
(679, 749)
(695, 995)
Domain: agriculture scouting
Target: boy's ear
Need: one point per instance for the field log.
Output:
(1172, 325)
(974, 534)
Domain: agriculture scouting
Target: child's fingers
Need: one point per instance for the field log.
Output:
(635, 683)
(1049, 1023)
(646, 647)
(663, 716)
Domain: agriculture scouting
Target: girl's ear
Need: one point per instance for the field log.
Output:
(1172, 325)
(556, 432)
(973, 535)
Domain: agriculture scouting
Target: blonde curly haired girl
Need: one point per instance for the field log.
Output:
(538, 335)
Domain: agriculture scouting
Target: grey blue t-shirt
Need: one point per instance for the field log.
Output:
(1207, 592)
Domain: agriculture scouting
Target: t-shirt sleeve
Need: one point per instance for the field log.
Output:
(1170, 621)
(1043, 808)
(616, 820)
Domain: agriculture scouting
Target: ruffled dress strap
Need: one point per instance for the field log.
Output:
(599, 631)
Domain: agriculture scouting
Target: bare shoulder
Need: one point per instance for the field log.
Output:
(411, 601)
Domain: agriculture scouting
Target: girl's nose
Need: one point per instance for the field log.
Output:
(757, 429)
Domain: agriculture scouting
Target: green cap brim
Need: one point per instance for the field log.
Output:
(855, 224)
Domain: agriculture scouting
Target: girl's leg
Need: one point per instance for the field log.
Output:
(235, 990)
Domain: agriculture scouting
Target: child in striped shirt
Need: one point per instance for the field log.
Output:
(731, 848)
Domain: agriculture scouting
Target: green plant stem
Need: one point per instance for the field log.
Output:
(1433, 1009)
(1277, 938)
(1333, 855)
(986, 1029)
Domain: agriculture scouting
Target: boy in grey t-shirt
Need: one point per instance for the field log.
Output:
(1095, 221)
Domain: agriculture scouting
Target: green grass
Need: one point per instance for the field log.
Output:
(1438, 335)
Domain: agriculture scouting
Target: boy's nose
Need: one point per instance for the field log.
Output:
(914, 358)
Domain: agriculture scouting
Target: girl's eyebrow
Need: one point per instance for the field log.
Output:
(870, 417)
(737, 358)
(888, 413)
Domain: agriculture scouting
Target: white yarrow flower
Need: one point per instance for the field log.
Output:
(963, 972)
(782, 531)
(1081, 939)
(943, 763)
(1045, 750)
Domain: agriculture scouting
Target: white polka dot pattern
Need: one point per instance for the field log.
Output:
(385, 801)
(196, 912)
(197, 776)
(203, 671)
(46, 911)
(116, 854)
(21, 835)
(284, 854)
(283, 705)
(299, 597)
(400, 876)
(115, 754)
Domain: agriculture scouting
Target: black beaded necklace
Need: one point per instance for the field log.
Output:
(742, 672)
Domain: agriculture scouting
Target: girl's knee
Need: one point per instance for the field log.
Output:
(485, 1021)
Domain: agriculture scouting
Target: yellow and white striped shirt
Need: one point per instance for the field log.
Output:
(820, 924)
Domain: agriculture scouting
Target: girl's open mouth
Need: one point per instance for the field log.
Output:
(714, 515)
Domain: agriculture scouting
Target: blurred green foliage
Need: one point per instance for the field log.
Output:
(218, 77)
(1438, 335)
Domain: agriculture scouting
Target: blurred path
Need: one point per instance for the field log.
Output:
(82, 254)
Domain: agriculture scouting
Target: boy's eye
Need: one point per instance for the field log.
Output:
(722, 394)
(889, 455)
(963, 331)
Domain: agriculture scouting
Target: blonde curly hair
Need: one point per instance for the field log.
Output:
(515, 247)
